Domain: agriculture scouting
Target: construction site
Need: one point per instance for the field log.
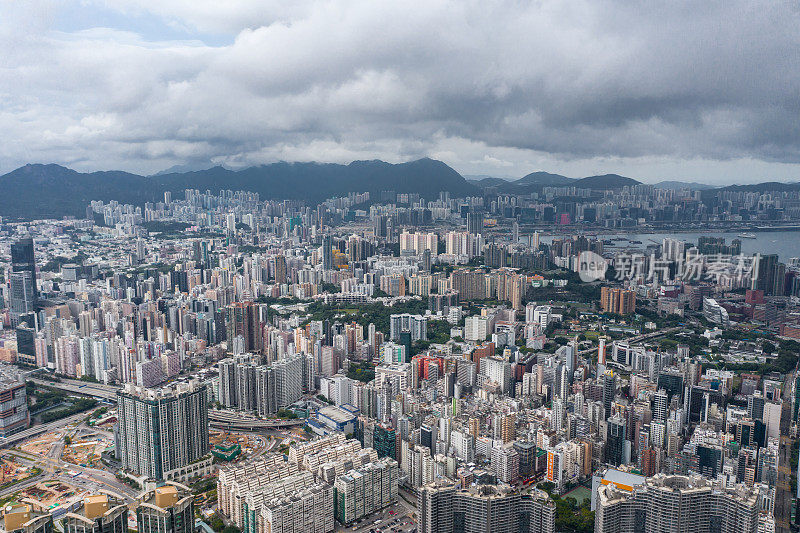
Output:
(86, 451)
(42, 444)
(250, 444)
(12, 471)
(52, 495)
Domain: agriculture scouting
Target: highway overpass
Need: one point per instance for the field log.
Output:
(235, 421)
(83, 388)
(220, 419)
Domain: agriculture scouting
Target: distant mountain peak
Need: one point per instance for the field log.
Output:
(41, 191)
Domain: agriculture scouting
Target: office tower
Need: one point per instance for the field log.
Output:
(166, 509)
(23, 260)
(483, 509)
(15, 416)
(23, 518)
(378, 436)
(779, 280)
(364, 490)
(426, 260)
(26, 344)
(515, 232)
(677, 503)
(380, 226)
(327, 252)
(475, 223)
(163, 433)
(609, 391)
(427, 437)
(616, 432)
(22, 302)
(764, 271)
(98, 513)
(526, 450)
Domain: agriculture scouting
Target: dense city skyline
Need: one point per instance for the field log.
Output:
(440, 266)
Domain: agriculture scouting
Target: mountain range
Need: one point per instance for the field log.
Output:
(44, 191)
(536, 180)
(53, 191)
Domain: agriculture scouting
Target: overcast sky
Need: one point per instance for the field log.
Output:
(703, 91)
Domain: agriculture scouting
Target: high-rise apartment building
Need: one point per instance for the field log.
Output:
(619, 301)
(442, 508)
(163, 433)
(677, 503)
(362, 491)
(241, 320)
(262, 389)
(416, 325)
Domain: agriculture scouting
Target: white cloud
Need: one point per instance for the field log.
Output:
(700, 90)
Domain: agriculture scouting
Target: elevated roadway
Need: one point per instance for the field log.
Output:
(235, 421)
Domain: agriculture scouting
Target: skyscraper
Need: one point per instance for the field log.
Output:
(327, 252)
(23, 296)
(615, 440)
(24, 293)
(764, 271)
(475, 223)
(609, 391)
(163, 433)
(22, 258)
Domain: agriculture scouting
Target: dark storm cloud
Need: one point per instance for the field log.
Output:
(485, 84)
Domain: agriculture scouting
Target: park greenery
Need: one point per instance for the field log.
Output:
(361, 371)
(571, 516)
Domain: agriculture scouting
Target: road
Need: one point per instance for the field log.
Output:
(84, 388)
(32, 431)
(396, 518)
(236, 421)
(218, 419)
(53, 466)
(634, 340)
